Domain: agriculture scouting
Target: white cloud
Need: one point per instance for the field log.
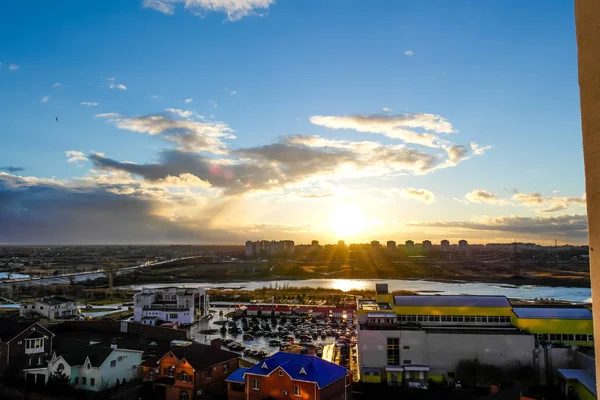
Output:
(188, 101)
(75, 156)
(234, 9)
(114, 85)
(233, 93)
(386, 109)
(108, 115)
(395, 126)
(529, 199)
(180, 112)
(89, 103)
(213, 103)
(189, 135)
(57, 84)
(14, 67)
(409, 53)
(422, 195)
(45, 99)
(154, 97)
(481, 196)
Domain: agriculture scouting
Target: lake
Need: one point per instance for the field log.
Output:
(522, 292)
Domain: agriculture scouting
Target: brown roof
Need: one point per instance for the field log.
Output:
(201, 356)
(9, 328)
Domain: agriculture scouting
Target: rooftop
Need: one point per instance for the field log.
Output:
(76, 355)
(552, 313)
(301, 367)
(54, 300)
(451, 301)
(237, 376)
(580, 375)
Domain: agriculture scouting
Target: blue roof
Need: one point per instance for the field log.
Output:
(302, 367)
(582, 376)
(452, 301)
(237, 376)
(552, 313)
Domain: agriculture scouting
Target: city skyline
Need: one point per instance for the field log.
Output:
(154, 122)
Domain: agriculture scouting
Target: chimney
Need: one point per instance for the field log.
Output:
(216, 343)
(113, 346)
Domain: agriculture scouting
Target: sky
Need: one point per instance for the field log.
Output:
(220, 121)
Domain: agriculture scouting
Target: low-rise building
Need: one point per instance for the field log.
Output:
(194, 371)
(286, 375)
(23, 345)
(570, 325)
(426, 337)
(54, 307)
(171, 304)
(93, 367)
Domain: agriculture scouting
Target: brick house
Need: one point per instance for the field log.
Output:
(189, 372)
(23, 345)
(287, 375)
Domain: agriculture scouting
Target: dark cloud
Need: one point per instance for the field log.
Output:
(41, 213)
(12, 169)
(565, 225)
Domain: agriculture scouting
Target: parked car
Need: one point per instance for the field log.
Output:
(417, 385)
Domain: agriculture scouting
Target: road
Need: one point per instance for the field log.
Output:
(98, 271)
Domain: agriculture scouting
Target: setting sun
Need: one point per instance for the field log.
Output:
(347, 220)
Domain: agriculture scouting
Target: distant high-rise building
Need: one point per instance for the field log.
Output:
(375, 245)
(341, 243)
(314, 243)
(288, 246)
(445, 245)
(391, 245)
(249, 249)
(463, 245)
(409, 245)
(426, 245)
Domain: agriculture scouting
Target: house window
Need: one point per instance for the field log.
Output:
(30, 362)
(393, 351)
(92, 381)
(296, 390)
(113, 363)
(83, 380)
(183, 395)
(173, 316)
(76, 381)
(407, 362)
(170, 372)
(208, 373)
(225, 368)
(590, 338)
(183, 376)
(255, 384)
(151, 375)
(280, 373)
(89, 366)
(405, 347)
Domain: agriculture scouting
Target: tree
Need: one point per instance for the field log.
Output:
(59, 382)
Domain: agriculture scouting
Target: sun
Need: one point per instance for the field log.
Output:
(347, 220)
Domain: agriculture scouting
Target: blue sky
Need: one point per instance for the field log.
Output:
(399, 89)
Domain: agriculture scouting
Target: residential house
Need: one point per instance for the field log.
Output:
(93, 367)
(23, 345)
(196, 371)
(54, 307)
(170, 304)
(286, 375)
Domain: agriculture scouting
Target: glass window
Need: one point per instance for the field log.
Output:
(280, 373)
(296, 390)
(546, 336)
(84, 380)
(590, 338)
(436, 318)
(225, 368)
(420, 318)
(92, 381)
(571, 337)
(183, 395)
(255, 384)
(76, 381)
(553, 336)
(113, 363)
(393, 351)
(183, 376)
(208, 373)
(578, 338)
(407, 362)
